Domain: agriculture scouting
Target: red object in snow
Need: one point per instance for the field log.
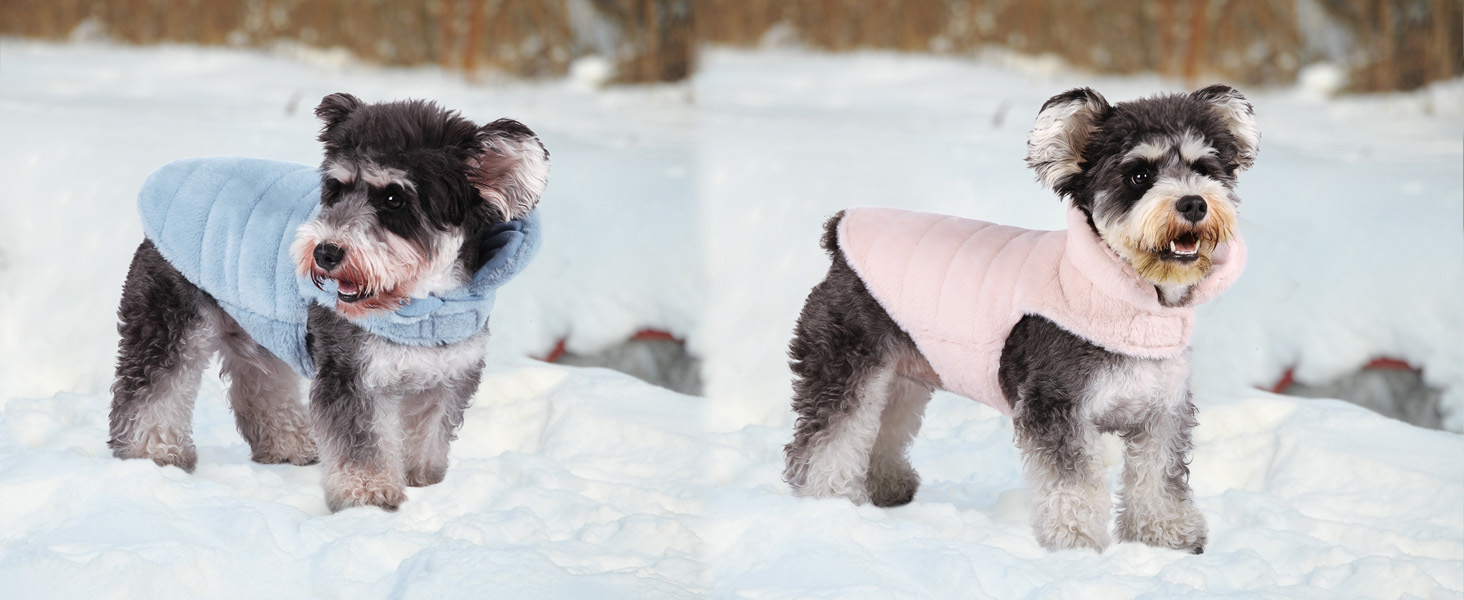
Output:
(557, 353)
(655, 335)
(1377, 364)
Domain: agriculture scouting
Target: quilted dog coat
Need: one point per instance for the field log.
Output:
(227, 224)
(959, 286)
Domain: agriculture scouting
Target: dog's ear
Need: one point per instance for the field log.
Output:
(1239, 117)
(510, 169)
(1055, 146)
(335, 108)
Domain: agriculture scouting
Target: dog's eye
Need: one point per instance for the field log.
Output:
(1139, 179)
(394, 201)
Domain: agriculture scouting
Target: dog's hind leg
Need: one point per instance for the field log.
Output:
(845, 356)
(265, 396)
(892, 481)
(835, 435)
(430, 420)
(1156, 506)
(167, 338)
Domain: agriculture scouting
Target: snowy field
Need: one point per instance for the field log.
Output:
(695, 209)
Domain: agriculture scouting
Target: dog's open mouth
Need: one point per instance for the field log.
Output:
(1184, 248)
(348, 291)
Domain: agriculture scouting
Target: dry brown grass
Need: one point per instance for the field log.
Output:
(1403, 44)
(659, 39)
(1400, 44)
(1244, 42)
(522, 37)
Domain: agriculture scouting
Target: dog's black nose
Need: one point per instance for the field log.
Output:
(328, 255)
(1191, 208)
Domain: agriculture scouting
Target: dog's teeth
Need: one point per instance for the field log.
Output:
(1171, 246)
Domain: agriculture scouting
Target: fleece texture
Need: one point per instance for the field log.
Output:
(958, 286)
(227, 224)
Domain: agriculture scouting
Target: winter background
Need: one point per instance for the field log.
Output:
(694, 209)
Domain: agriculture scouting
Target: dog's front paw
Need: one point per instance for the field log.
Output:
(1071, 518)
(356, 487)
(1180, 528)
(425, 476)
(182, 455)
(1073, 536)
(296, 448)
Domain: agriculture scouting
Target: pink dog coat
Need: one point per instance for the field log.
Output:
(958, 286)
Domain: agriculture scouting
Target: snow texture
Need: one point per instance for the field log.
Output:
(695, 209)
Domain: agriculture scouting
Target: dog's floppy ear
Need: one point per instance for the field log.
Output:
(510, 169)
(1055, 146)
(335, 108)
(1239, 117)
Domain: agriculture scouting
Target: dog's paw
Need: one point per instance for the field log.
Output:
(855, 492)
(183, 456)
(296, 449)
(425, 476)
(358, 488)
(1073, 536)
(1182, 528)
(1069, 519)
(894, 485)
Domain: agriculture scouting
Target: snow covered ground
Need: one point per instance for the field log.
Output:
(695, 209)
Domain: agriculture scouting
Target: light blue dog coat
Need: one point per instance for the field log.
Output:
(227, 224)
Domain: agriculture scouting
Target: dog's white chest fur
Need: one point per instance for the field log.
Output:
(1126, 392)
(389, 364)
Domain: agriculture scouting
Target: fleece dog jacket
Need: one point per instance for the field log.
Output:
(227, 224)
(959, 286)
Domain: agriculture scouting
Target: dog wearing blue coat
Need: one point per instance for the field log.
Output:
(373, 276)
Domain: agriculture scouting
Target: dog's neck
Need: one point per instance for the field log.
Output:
(446, 271)
(1169, 295)
(1174, 295)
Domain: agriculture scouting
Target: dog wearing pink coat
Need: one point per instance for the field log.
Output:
(1073, 333)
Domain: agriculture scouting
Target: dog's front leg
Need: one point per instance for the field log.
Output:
(358, 430)
(1156, 506)
(431, 419)
(1070, 498)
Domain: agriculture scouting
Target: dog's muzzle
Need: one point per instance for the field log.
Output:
(328, 258)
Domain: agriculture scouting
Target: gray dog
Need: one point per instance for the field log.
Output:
(373, 275)
(1073, 333)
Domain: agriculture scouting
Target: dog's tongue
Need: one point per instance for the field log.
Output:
(347, 287)
(1184, 246)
